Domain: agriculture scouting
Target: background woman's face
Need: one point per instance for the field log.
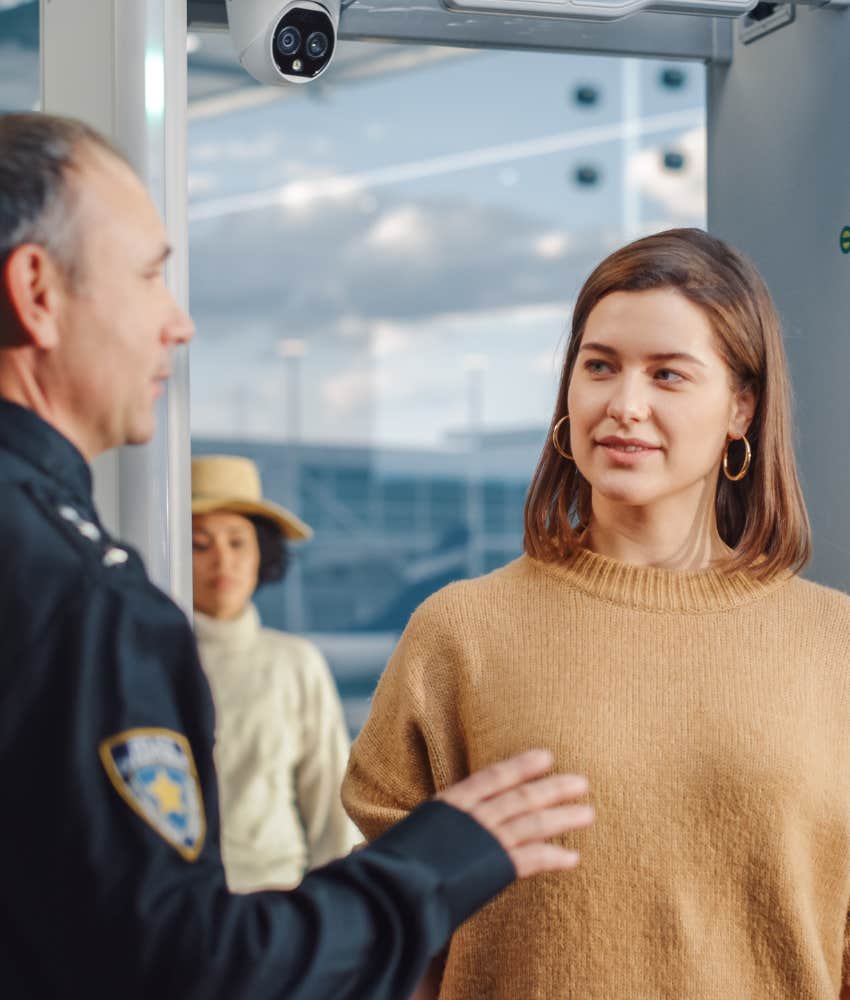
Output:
(225, 563)
(651, 401)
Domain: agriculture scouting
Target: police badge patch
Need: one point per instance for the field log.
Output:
(154, 772)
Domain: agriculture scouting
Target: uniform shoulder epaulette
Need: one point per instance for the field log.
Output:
(112, 555)
(87, 537)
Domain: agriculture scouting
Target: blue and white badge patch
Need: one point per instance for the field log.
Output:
(154, 772)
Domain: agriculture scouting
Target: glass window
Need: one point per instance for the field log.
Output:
(382, 270)
(19, 48)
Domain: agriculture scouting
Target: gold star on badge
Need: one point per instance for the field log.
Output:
(168, 794)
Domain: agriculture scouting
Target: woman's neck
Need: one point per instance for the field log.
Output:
(669, 534)
(229, 631)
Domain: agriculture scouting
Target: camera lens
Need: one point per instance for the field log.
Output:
(289, 41)
(317, 45)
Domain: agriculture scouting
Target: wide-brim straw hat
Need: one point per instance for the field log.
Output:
(232, 483)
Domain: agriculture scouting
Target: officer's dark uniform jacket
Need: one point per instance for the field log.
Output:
(112, 883)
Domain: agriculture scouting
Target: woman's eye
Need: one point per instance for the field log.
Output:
(597, 367)
(198, 546)
(665, 375)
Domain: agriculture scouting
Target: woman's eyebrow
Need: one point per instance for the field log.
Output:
(660, 356)
(676, 356)
(600, 348)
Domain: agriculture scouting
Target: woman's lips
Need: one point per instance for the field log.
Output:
(627, 451)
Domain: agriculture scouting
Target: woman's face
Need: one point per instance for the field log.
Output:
(225, 563)
(651, 400)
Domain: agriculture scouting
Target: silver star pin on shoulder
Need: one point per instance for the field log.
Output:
(68, 513)
(89, 530)
(115, 557)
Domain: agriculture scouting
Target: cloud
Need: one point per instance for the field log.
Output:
(348, 391)
(391, 338)
(546, 362)
(499, 155)
(352, 327)
(220, 151)
(404, 229)
(200, 183)
(321, 272)
(552, 245)
(681, 192)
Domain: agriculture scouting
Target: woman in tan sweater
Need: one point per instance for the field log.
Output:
(657, 636)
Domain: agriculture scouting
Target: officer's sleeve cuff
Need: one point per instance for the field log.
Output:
(471, 864)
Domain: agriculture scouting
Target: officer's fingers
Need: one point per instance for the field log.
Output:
(529, 797)
(543, 824)
(531, 859)
(497, 778)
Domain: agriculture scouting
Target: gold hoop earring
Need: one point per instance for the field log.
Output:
(748, 455)
(556, 443)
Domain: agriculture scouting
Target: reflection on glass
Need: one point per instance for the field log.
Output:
(19, 47)
(382, 274)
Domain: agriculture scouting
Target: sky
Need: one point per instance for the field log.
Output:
(391, 253)
(421, 236)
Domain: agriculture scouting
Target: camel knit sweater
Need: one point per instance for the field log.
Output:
(711, 714)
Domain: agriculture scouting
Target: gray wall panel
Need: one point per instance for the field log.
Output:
(779, 189)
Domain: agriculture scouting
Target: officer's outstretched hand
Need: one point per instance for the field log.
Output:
(522, 809)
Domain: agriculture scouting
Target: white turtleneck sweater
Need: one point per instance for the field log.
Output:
(281, 751)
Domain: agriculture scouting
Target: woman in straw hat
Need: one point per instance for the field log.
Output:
(281, 743)
(656, 634)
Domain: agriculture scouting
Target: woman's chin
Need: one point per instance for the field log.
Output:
(221, 610)
(629, 494)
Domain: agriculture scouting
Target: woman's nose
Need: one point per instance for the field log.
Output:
(628, 402)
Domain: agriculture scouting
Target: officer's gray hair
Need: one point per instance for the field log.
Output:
(37, 202)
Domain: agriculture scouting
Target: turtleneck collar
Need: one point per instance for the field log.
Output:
(650, 588)
(235, 632)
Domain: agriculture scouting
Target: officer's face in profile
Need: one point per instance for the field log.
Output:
(225, 563)
(119, 322)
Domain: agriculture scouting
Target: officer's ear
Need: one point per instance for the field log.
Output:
(34, 289)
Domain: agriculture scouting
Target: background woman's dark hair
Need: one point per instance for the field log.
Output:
(274, 554)
(763, 517)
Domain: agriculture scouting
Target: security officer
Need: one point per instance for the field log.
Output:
(109, 853)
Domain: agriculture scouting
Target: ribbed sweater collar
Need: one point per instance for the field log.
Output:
(649, 588)
(232, 632)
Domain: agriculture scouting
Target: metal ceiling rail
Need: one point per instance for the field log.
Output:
(428, 22)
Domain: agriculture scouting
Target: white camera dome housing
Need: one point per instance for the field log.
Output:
(284, 41)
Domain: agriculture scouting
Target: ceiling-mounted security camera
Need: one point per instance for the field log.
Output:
(284, 40)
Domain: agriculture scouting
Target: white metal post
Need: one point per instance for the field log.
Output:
(121, 67)
(631, 84)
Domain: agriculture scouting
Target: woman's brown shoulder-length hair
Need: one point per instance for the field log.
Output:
(763, 516)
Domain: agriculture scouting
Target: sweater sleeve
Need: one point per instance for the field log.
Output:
(412, 744)
(324, 753)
